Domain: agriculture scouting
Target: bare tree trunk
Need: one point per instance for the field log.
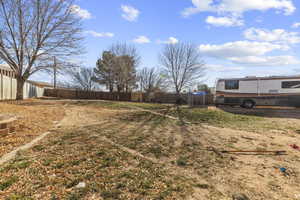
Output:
(178, 98)
(119, 88)
(111, 87)
(20, 88)
(118, 92)
(147, 93)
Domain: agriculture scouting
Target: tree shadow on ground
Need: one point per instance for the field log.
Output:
(269, 112)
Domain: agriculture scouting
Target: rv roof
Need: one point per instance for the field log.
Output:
(248, 78)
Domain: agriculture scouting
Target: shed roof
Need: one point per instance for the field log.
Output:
(5, 67)
(41, 84)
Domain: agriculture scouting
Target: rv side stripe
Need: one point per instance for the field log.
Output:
(229, 94)
(262, 78)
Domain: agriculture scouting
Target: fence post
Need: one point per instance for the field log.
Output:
(11, 86)
(190, 99)
(1, 76)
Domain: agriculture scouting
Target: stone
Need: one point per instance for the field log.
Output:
(239, 197)
(81, 185)
(52, 176)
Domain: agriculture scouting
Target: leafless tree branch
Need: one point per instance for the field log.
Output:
(32, 32)
(151, 80)
(182, 65)
(81, 78)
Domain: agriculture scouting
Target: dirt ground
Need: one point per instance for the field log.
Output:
(34, 118)
(122, 153)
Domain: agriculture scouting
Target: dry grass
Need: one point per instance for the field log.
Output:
(34, 118)
(115, 105)
(254, 122)
(82, 156)
(125, 154)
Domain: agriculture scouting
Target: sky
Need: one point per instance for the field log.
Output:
(236, 38)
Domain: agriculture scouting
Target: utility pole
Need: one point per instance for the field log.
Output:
(54, 72)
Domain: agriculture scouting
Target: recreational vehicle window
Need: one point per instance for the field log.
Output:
(290, 84)
(231, 84)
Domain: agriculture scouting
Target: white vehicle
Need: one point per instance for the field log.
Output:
(251, 91)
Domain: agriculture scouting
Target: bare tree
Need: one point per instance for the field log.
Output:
(182, 65)
(81, 78)
(150, 80)
(32, 32)
(123, 49)
(125, 74)
(127, 60)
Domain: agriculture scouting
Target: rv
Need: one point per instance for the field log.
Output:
(259, 91)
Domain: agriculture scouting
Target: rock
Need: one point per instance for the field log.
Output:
(81, 185)
(52, 176)
(239, 197)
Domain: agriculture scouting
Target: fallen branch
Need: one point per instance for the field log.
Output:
(275, 152)
(248, 138)
(240, 152)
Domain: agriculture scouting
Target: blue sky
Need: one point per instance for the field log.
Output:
(235, 37)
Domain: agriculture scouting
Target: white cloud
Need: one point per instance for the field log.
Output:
(222, 68)
(224, 21)
(239, 6)
(296, 25)
(239, 49)
(251, 53)
(277, 36)
(266, 60)
(141, 40)
(171, 40)
(130, 13)
(96, 34)
(82, 13)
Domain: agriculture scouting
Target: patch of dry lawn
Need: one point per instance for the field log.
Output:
(34, 118)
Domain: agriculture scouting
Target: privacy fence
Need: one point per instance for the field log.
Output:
(80, 94)
(135, 96)
(190, 99)
(8, 87)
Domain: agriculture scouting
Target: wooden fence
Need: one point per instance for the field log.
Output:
(185, 98)
(80, 94)
(135, 96)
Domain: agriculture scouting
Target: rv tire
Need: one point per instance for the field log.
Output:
(248, 104)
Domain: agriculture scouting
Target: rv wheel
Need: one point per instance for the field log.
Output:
(248, 104)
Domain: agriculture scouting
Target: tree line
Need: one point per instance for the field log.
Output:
(117, 68)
